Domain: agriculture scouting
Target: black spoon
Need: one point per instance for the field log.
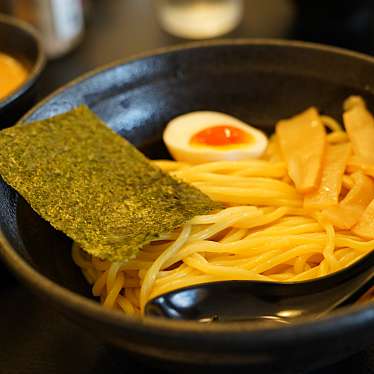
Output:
(267, 301)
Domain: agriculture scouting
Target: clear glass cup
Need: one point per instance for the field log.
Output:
(199, 19)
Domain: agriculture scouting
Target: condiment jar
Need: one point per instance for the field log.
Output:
(61, 22)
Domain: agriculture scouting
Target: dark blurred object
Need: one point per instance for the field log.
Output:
(60, 22)
(344, 23)
(22, 42)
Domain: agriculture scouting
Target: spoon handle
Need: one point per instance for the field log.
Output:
(341, 294)
(266, 301)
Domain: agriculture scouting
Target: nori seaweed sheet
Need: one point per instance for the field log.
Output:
(93, 185)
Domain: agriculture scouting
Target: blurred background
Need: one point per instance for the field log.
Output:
(80, 35)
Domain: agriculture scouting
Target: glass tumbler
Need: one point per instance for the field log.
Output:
(199, 19)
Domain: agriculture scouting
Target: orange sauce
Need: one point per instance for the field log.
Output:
(221, 136)
(12, 74)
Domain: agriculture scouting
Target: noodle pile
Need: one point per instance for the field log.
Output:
(264, 233)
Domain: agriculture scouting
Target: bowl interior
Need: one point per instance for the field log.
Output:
(259, 82)
(21, 45)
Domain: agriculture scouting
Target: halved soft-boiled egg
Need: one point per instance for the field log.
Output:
(206, 136)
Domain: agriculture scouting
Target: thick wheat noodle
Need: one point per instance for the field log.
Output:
(263, 234)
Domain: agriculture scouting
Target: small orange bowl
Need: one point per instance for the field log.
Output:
(22, 42)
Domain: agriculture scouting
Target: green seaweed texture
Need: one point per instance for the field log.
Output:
(93, 185)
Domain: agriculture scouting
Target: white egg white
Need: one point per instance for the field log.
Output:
(180, 130)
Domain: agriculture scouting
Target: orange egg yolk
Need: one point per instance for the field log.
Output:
(221, 135)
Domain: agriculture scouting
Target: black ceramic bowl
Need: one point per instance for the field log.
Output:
(259, 81)
(20, 40)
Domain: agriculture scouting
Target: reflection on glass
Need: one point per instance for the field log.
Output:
(289, 313)
(199, 19)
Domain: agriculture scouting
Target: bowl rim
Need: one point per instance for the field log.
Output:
(36, 68)
(336, 324)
